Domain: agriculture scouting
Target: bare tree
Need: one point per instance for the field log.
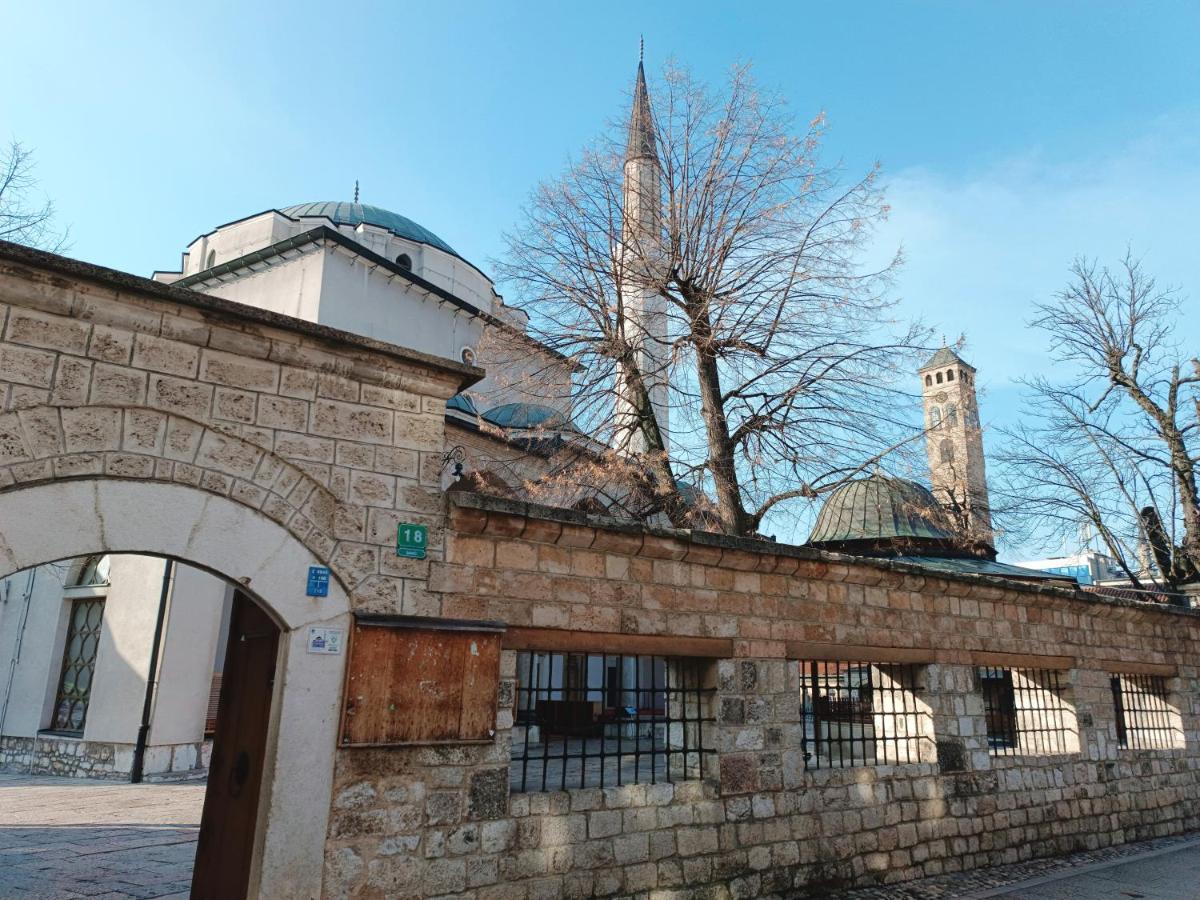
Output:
(703, 267)
(1110, 445)
(23, 218)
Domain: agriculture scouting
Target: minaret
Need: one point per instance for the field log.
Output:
(954, 444)
(645, 316)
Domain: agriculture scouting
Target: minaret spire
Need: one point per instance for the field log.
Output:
(644, 311)
(641, 143)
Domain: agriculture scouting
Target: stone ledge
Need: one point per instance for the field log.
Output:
(19, 259)
(509, 518)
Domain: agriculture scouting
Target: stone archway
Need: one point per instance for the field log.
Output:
(46, 522)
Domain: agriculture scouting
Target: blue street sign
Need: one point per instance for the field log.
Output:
(318, 581)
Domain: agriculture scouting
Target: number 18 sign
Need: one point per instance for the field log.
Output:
(411, 540)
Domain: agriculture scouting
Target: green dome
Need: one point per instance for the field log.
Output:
(879, 509)
(354, 214)
(526, 416)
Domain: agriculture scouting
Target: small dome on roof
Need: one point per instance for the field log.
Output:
(880, 509)
(463, 404)
(355, 214)
(527, 415)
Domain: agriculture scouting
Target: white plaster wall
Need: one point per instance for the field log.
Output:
(235, 240)
(220, 535)
(291, 287)
(126, 642)
(360, 298)
(189, 646)
(30, 684)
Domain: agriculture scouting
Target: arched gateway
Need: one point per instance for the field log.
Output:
(139, 418)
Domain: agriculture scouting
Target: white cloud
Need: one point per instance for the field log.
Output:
(983, 246)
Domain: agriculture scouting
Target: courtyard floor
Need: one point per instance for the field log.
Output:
(68, 838)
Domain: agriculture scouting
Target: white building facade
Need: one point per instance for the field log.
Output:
(77, 646)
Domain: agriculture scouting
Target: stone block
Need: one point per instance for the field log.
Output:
(23, 365)
(352, 422)
(49, 332)
(237, 371)
(91, 428)
(42, 430)
(187, 398)
(419, 432)
(282, 412)
(488, 797)
(110, 344)
(169, 357)
(234, 404)
(71, 382)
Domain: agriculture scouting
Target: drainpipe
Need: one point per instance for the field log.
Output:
(143, 735)
(16, 651)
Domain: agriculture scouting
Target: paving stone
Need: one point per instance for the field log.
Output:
(67, 838)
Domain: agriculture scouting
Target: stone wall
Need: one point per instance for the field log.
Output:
(49, 754)
(155, 419)
(440, 820)
(335, 436)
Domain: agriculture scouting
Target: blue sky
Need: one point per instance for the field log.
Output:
(1013, 135)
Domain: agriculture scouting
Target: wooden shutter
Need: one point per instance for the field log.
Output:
(413, 680)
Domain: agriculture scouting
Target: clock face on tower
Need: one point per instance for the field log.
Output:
(940, 397)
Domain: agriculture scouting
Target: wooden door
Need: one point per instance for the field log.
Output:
(226, 844)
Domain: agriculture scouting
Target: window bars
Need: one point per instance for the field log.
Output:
(598, 720)
(79, 664)
(1026, 712)
(861, 714)
(1143, 713)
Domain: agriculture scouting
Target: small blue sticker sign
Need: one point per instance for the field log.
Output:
(411, 540)
(318, 581)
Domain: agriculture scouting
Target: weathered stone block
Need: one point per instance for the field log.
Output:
(91, 428)
(488, 798)
(169, 357)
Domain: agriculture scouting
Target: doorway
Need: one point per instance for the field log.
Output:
(80, 650)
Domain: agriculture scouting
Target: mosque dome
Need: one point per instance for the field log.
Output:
(879, 514)
(526, 416)
(355, 214)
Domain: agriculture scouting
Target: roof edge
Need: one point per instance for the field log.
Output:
(325, 232)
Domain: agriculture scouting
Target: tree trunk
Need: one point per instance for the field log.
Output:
(721, 457)
(1182, 468)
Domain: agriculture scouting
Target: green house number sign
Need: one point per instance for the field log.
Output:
(411, 540)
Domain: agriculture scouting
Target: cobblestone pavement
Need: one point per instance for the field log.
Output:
(1163, 869)
(69, 838)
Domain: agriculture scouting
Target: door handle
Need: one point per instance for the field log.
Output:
(239, 773)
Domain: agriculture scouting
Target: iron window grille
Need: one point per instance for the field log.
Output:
(79, 665)
(1025, 712)
(862, 714)
(1143, 713)
(597, 720)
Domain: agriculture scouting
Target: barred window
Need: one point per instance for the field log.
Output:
(1026, 712)
(862, 714)
(597, 720)
(1145, 718)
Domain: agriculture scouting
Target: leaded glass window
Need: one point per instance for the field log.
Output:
(79, 665)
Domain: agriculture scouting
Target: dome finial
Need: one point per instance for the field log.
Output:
(355, 190)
